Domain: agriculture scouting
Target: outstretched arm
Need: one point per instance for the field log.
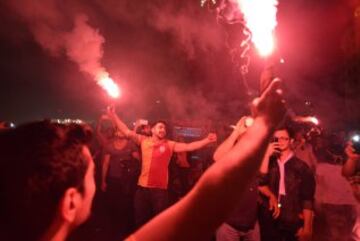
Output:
(229, 143)
(122, 127)
(198, 214)
(192, 146)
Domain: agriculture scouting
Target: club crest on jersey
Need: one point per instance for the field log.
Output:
(162, 149)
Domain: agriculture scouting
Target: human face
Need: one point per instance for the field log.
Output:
(283, 139)
(159, 130)
(89, 189)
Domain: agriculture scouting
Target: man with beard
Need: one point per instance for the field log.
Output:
(151, 196)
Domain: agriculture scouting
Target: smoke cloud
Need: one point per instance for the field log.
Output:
(177, 52)
(82, 44)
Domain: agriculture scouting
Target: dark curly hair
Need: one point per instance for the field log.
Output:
(39, 162)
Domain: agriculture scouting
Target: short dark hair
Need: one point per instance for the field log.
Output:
(157, 122)
(286, 128)
(39, 162)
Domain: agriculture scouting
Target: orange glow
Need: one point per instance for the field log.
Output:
(109, 85)
(260, 17)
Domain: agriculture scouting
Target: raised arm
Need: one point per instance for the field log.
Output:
(349, 168)
(272, 149)
(123, 127)
(229, 143)
(192, 146)
(198, 214)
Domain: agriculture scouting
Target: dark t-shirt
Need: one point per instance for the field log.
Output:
(244, 217)
(121, 159)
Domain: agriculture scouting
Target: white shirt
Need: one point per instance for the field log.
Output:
(282, 189)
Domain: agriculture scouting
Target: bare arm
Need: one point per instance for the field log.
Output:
(305, 233)
(192, 146)
(123, 128)
(313, 159)
(307, 192)
(273, 202)
(196, 216)
(231, 140)
(105, 161)
(349, 168)
(308, 219)
(265, 190)
(271, 149)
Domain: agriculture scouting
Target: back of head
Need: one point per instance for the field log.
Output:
(39, 162)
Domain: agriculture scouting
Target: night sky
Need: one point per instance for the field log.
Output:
(172, 60)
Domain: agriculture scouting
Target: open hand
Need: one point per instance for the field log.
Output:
(212, 137)
(304, 235)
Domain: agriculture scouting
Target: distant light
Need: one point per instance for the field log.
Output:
(67, 121)
(282, 61)
(356, 138)
(157, 101)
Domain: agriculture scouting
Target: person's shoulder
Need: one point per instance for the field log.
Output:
(300, 164)
(297, 161)
(143, 138)
(171, 143)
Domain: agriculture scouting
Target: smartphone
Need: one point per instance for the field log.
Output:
(143, 122)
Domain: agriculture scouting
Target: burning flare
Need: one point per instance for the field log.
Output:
(109, 85)
(260, 18)
(307, 119)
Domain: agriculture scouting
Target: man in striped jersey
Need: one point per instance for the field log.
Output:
(152, 194)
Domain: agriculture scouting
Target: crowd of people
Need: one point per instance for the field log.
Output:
(267, 180)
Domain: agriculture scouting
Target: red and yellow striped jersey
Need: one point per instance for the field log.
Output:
(155, 162)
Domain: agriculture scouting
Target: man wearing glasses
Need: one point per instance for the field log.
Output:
(287, 187)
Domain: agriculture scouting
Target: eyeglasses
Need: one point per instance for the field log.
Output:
(283, 138)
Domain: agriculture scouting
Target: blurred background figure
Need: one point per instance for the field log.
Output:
(303, 150)
(335, 205)
(120, 168)
(351, 171)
